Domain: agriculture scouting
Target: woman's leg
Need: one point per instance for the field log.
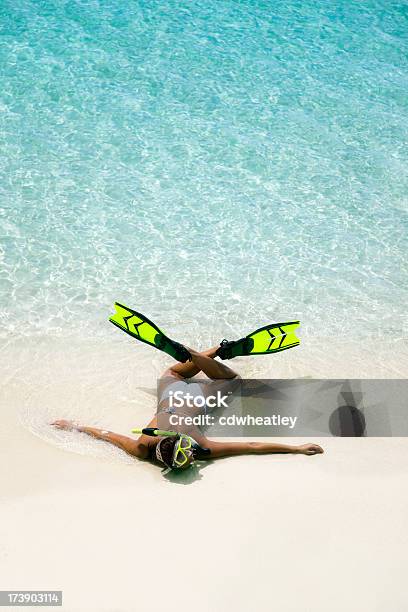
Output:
(202, 361)
(212, 368)
(186, 370)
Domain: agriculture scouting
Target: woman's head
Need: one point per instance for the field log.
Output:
(165, 453)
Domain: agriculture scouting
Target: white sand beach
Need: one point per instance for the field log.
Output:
(287, 532)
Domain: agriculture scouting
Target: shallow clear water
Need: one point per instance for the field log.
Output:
(216, 165)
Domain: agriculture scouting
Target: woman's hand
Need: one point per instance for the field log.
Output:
(63, 424)
(310, 449)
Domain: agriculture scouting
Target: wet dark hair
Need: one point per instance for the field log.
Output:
(167, 448)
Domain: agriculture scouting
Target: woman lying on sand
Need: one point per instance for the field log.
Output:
(178, 451)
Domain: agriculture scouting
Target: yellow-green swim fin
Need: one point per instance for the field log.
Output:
(140, 327)
(269, 339)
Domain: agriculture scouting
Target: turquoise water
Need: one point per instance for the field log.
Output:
(215, 164)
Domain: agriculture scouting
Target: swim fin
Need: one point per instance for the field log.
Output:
(269, 339)
(140, 327)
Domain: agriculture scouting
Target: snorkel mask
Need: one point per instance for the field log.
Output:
(184, 448)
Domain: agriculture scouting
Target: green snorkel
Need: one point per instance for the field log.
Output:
(151, 431)
(184, 446)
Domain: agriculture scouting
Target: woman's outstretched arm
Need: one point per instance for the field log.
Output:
(229, 449)
(129, 445)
